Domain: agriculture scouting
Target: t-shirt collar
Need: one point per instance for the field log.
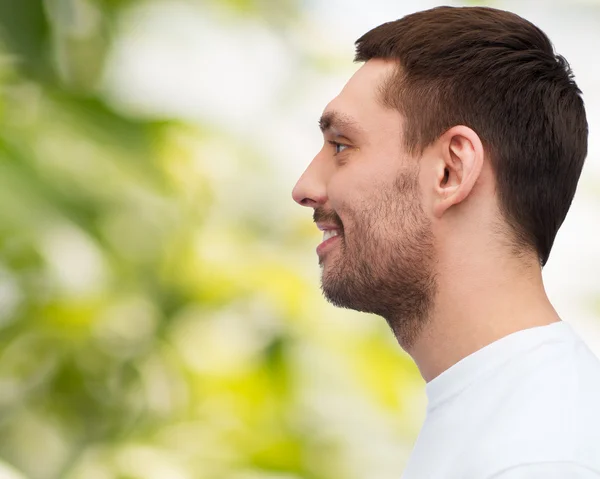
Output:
(462, 374)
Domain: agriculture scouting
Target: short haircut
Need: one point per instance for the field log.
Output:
(498, 74)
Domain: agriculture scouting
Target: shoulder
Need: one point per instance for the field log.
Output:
(549, 416)
(548, 470)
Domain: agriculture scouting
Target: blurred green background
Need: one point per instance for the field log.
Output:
(160, 312)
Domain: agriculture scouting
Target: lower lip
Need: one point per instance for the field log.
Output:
(327, 245)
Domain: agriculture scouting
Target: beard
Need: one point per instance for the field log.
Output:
(386, 264)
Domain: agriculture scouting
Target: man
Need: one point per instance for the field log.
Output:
(450, 161)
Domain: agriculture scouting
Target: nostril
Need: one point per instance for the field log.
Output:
(305, 195)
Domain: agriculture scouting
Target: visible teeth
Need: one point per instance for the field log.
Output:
(329, 234)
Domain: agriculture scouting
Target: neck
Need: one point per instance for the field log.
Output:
(477, 308)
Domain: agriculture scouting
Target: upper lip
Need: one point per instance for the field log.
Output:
(327, 226)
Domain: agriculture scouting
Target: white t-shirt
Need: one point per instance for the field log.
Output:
(524, 407)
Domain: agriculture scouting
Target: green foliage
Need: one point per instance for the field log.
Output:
(146, 330)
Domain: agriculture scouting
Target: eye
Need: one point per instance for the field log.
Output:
(338, 147)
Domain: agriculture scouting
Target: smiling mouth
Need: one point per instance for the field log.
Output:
(327, 234)
(330, 237)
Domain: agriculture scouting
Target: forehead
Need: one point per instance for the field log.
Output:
(360, 99)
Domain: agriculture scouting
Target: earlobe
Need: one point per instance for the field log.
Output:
(461, 162)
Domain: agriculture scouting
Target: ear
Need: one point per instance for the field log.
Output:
(459, 166)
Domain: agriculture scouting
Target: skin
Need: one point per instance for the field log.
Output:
(422, 241)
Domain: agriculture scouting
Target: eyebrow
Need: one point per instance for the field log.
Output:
(332, 121)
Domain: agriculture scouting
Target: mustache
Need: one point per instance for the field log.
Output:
(321, 215)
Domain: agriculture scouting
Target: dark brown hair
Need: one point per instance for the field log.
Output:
(498, 74)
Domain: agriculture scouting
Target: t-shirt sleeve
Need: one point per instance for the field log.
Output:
(547, 470)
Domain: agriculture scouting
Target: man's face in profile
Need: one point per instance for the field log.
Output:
(365, 189)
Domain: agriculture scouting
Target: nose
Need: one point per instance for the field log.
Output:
(311, 188)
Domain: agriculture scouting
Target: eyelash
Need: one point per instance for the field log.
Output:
(335, 144)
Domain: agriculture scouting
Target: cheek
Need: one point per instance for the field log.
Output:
(358, 202)
(364, 190)
(355, 181)
(343, 191)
